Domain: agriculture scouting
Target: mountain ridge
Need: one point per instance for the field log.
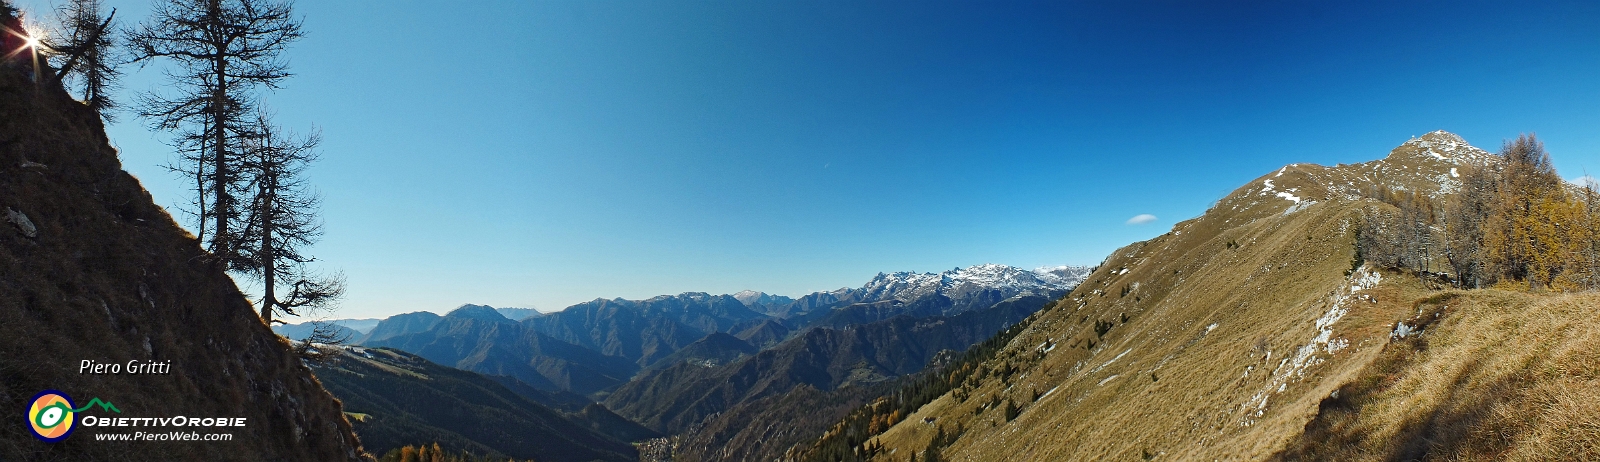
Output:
(672, 399)
(505, 347)
(649, 331)
(1264, 307)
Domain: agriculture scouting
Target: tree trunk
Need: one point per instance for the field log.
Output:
(200, 188)
(219, 174)
(220, 239)
(268, 267)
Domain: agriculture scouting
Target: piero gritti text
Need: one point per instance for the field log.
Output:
(89, 366)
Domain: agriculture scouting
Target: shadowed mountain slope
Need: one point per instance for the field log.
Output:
(471, 339)
(91, 269)
(765, 334)
(404, 399)
(672, 399)
(401, 324)
(644, 331)
(714, 349)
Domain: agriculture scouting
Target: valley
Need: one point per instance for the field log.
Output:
(677, 363)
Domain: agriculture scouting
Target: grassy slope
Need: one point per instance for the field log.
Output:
(1202, 407)
(1499, 376)
(1162, 382)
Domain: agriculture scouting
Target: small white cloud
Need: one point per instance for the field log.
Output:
(1141, 219)
(1586, 181)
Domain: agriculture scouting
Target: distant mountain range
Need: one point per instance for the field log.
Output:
(645, 331)
(680, 395)
(353, 328)
(518, 314)
(596, 346)
(771, 305)
(675, 361)
(303, 330)
(358, 329)
(478, 338)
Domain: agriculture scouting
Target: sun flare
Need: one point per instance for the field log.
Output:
(33, 37)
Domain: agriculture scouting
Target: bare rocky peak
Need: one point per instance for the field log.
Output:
(1432, 164)
(1442, 146)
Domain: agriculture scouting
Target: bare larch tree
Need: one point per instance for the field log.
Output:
(223, 49)
(86, 52)
(280, 220)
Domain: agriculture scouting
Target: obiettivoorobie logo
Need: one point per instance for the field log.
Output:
(50, 414)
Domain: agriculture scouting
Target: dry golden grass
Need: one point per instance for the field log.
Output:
(1228, 335)
(1165, 382)
(1502, 376)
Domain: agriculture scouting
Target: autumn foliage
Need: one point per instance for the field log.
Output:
(1515, 224)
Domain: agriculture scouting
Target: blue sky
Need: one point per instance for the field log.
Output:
(542, 153)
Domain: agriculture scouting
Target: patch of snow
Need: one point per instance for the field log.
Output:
(1294, 368)
(1291, 197)
(1453, 173)
(1107, 379)
(1052, 390)
(1337, 344)
(1401, 330)
(1260, 403)
(1108, 363)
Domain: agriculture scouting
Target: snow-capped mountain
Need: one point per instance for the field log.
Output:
(966, 288)
(763, 302)
(958, 283)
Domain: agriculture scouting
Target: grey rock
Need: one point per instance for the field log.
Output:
(23, 223)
